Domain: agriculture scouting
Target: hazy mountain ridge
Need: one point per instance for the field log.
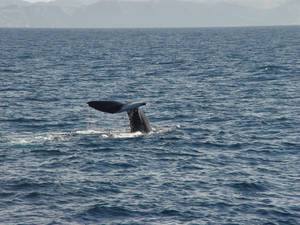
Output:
(75, 13)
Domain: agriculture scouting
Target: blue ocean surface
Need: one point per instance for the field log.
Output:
(224, 104)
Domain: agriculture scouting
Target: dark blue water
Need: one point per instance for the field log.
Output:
(224, 104)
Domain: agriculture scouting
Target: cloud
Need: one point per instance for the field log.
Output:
(252, 3)
(259, 3)
(34, 1)
(265, 4)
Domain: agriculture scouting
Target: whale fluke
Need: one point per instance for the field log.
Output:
(106, 106)
(138, 120)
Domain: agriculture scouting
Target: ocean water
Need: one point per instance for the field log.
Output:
(224, 104)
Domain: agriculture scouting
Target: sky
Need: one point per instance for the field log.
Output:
(251, 3)
(159, 13)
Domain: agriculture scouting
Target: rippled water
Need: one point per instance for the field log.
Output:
(224, 104)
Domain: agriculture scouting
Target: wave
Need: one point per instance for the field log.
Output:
(36, 139)
(107, 211)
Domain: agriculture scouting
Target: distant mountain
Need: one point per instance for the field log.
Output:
(4, 3)
(17, 13)
(167, 13)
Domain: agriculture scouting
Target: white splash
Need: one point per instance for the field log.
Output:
(32, 139)
(88, 132)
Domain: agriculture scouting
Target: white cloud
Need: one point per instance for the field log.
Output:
(33, 1)
(259, 3)
(250, 3)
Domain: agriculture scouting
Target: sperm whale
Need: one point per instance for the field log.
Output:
(137, 118)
